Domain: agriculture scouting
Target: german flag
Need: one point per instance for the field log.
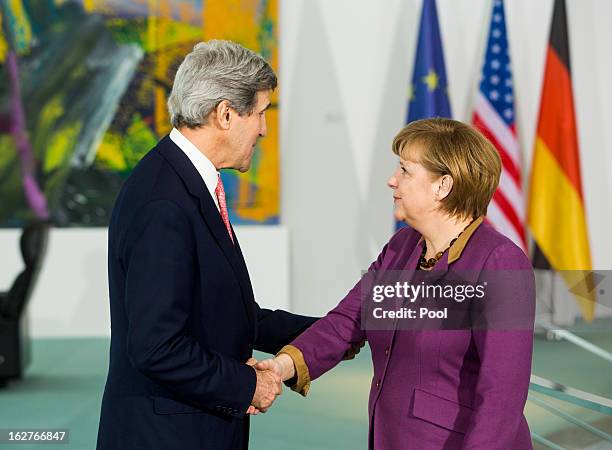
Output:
(556, 213)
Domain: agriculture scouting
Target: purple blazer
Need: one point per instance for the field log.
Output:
(437, 389)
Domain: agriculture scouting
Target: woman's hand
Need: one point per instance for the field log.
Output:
(282, 365)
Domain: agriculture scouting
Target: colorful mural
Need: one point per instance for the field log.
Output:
(83, 97)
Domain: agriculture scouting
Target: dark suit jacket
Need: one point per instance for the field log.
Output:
(183, 316)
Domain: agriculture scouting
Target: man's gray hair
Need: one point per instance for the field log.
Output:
(215, 71)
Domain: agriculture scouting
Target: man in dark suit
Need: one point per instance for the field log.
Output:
(184, 320)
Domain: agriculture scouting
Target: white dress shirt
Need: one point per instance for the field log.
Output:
(205, 168)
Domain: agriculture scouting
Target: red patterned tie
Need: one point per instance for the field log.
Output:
(220, 193)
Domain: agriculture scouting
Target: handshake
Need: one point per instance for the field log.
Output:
(272, 372)
(270, 376)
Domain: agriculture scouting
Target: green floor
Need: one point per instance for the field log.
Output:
(64, 385)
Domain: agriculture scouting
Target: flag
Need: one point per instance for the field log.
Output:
(494, 116)
(556, 213)
(427, 95)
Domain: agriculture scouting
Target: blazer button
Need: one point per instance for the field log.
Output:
(387, 351)
(378, 384)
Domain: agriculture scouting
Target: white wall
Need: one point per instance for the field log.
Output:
(71, 295)
(345, 68)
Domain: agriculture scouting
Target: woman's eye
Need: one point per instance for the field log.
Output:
(404, 170)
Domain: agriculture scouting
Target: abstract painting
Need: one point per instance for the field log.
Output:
(83, 97)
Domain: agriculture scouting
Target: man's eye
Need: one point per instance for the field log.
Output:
(404, 170)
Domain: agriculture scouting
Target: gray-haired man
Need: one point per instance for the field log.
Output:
(184, 320)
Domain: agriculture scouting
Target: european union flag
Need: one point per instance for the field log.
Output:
(428, 95)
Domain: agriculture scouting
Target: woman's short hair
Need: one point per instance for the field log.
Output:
(450, 147)
(214, 71)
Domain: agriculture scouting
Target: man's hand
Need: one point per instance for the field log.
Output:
(269, 386)
(353, 350)
(251, 409)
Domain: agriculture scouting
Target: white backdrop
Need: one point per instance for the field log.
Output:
(71, 296)
(345, 69)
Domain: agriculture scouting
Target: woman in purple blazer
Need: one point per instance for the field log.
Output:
(435, 387)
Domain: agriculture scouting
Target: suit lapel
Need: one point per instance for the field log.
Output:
(246, 280)
(241, 261)
(208, 210)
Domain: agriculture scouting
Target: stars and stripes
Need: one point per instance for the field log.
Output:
(494, 117)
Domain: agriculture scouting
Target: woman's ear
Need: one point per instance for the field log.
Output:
(444, 187)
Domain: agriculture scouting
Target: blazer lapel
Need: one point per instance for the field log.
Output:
(251, 306)
(405, 260)
(208, 210)
(241, 261)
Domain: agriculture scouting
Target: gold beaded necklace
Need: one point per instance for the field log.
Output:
(425, 263)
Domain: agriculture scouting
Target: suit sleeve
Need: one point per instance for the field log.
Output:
(322, 346)
(504, 348)
(160, 263)
(276, 329)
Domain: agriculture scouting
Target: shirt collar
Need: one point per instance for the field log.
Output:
(203, 165)
(455, 251)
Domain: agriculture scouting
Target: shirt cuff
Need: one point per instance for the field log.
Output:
(302, 377)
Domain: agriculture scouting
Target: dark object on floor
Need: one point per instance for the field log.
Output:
(14, 336)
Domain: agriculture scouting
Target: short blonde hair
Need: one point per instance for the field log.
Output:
(450, 147)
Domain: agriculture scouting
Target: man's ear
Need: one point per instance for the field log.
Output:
(223, 114)
(444, 187)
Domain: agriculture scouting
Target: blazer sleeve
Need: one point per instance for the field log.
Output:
(160, 262)
(277, 328)
(504, 348)
(322, 346)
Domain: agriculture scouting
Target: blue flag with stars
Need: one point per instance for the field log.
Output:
(427, 96)
(428, 93)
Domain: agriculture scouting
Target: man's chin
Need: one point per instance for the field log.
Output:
(245, 167)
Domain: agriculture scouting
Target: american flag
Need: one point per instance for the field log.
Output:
(494, 117)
